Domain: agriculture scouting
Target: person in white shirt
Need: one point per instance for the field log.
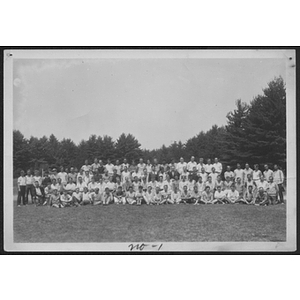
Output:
(72, 175)
(166, 195)
(149, 195)
(182, 183)
(111, 185)
(124, 164)
(175, 195)
(262, 183)
(201, 165)
(70, 186)
(238, 172)
(213, 176)
(229, 173)
(181, 165)
(86, 199)
(190, 166)
(207, 196)
(95, 166)
(77, 196)
(256, 174)
(139, 195)
(184, 173)
(279, 179)
(148, 166)
(136, 173)
(101, 185)
(109, 167)
(29, 186)
(62, 175)
(210, 184)
(125, 174)
(219, 183)
(86, 166)
(66, 199)
(96, 197)
(140, 166)
(55, 185)
(92, 185)
(219, 196)
(21, 189)
(267, 173)
(247, 171)
(227, 184)
(37, 177)
(119, 196)
(233, 195)
(196, 194)
(117, 167)
(249, 195)
(130, 196)
(208, 166)
(203, 175)
(81, 185)
(272, 191)
(218, 166)
(39, 194)
(86, 177)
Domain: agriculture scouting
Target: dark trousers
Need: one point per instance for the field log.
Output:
(280, 192)
(21, 195)
(29, 189)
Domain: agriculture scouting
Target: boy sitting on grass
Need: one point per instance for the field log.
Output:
(66, 199)
(77, 196)
(39, 194)
(96, 197)
(233, 195)
(107, 197)
(175, 195)
(186, 196)
(196, 195)
(48, 193)
(166, 195)
(119, 196)
(261, 198)
(139, 195)
(207, 196)
(130, 196)
(219, 196)
(86, 199)
(157, 196)
(55, 199)
(249, 195)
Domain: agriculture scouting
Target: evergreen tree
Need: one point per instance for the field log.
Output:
(127, 146)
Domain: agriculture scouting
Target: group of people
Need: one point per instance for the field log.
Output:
(152, 184)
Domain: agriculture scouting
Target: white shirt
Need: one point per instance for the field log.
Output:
(256, 175)
(264, 184)
(70, 187)
(141, 168)
(213, 177)
(228, 173)
(118, 168)
(218, 167)
(92, 186)
(29, 179)
(233, 195)
(81, 186)
(85, 168)
(239, 173)
(219, 195)
(267, 174)
(200, 166)
(208, 168)
(63, 176)
(38, 179)
(191, 165)
(180, 166)
(109, 168)
(246, 172)
(22, 181)
(203, 176)
(278, 176)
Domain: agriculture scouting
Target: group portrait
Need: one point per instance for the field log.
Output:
(177, 150)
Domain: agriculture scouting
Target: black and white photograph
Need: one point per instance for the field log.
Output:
(138, 150)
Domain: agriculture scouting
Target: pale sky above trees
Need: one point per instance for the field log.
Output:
(156, 100)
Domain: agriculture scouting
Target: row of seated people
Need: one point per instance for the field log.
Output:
(154, 196)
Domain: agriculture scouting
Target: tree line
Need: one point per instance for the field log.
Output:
(254, 133)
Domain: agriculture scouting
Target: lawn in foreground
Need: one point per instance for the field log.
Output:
(168, 223)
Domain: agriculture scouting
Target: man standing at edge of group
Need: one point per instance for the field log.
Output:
(279, 179)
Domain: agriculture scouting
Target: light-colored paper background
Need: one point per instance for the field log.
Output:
(289, 245)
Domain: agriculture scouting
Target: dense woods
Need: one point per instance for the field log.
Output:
(254, 133)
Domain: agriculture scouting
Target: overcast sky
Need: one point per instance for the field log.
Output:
(157, 100)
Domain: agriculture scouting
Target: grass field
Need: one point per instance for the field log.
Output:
(179, 223)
